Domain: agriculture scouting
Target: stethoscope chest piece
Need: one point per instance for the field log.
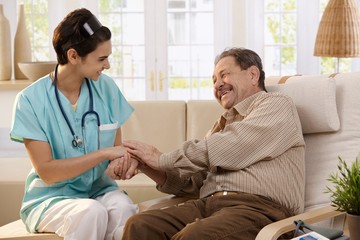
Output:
(76, 142)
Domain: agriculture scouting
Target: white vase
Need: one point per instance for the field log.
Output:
(22, 46)
(5, 47)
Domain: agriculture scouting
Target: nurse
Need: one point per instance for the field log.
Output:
(70, 124)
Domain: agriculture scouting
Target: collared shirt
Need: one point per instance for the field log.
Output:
(37, 116)
(255, 147)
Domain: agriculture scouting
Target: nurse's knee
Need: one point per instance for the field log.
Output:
(94, 210)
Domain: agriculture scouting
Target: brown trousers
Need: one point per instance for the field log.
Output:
(239, 216)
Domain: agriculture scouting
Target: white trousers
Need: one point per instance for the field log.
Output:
(89, 219)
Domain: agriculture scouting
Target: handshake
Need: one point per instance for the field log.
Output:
(131, 156)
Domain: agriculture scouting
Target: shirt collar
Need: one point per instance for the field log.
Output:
(243, 106)
(236, 113)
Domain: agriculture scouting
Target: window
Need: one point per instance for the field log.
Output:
(162, 49)
(280, 46)
(36, 12)
(190, 49)
(287, 32)
(126, 22)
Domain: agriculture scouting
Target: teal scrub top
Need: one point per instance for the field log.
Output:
(37, 116)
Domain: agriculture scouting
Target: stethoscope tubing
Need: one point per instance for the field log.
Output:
(77, 141)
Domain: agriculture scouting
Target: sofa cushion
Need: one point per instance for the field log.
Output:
(315, 100)
(201, 116)
(16, 231)
(160, 123)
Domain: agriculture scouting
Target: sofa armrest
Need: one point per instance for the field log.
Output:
(162, 202)
(276, 229)
(16, 231)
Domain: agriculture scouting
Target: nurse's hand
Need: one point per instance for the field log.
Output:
(122, 168)
(114, 152)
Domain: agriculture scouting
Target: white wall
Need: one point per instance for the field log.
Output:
(239, 23)
(7, 99)
(8, 148)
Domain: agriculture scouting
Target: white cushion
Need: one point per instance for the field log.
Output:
(315, 100)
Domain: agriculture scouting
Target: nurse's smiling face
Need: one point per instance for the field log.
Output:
(95, 62)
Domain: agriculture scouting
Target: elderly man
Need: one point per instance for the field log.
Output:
(248, 171)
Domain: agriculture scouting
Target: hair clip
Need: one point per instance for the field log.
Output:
(92, 25)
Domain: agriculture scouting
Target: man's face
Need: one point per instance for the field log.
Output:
(232, 84)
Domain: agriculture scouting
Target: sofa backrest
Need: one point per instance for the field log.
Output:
(201, 116)
(167, 124)
(160, 123)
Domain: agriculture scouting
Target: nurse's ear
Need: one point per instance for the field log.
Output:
(72, 56)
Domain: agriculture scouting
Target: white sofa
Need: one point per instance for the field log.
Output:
(329, 110)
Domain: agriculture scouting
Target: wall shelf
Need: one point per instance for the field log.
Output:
(14, 84)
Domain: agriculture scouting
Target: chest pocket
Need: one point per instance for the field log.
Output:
(108, 134)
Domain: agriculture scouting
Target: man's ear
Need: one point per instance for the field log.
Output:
(255, 75)
(72, 56)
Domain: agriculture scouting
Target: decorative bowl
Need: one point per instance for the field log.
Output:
(35, 70)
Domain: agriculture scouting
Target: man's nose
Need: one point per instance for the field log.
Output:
(218, 84)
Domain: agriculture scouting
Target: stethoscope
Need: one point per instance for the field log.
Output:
(77, 142)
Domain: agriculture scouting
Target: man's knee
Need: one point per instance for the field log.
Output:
(139, 222)
(134, 220)
(194, 230)
(136, 226)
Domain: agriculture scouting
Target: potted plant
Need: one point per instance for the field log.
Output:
(345, 194)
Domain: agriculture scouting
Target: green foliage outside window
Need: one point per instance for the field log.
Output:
(181, 82)
(280, 20)
(37, 25)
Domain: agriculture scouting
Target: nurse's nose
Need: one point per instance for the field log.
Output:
(106, 64)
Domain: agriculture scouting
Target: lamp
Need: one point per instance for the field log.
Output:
(339, 31)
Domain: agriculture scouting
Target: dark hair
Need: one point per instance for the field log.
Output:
(71, 33)
(245, 58)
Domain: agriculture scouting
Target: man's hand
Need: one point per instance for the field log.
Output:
(122, 168)
(145, 153)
